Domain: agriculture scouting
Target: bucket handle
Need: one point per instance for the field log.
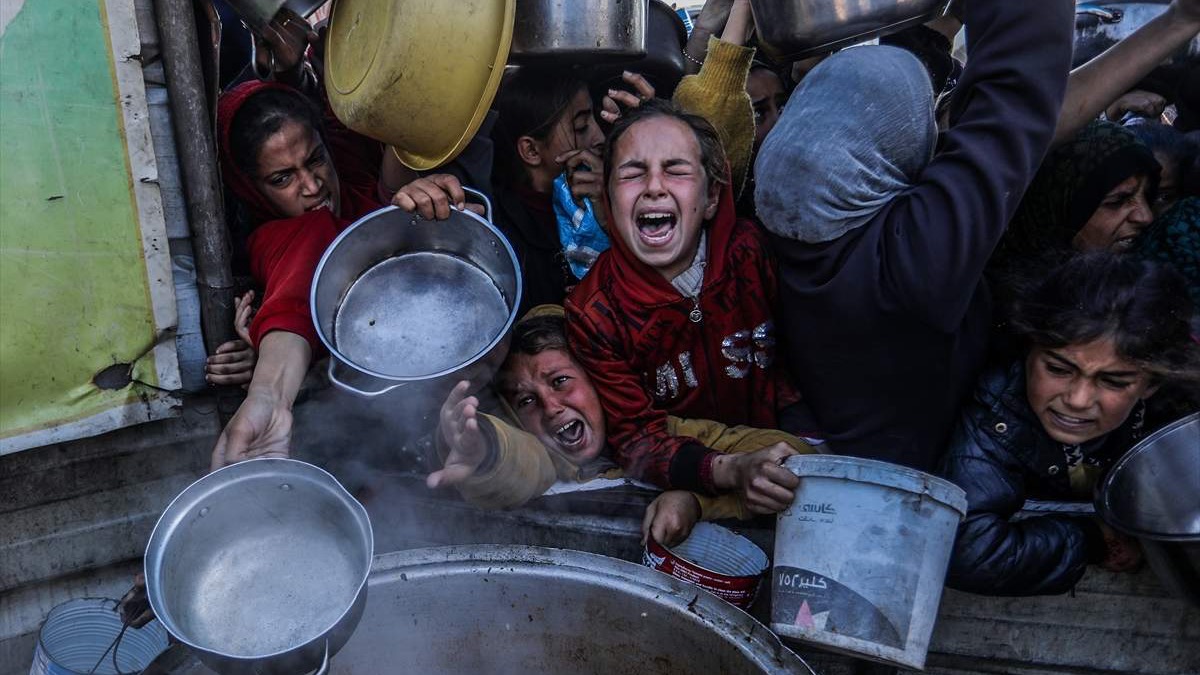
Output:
(334, 365)
(487, 203)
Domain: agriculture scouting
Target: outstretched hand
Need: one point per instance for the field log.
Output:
(458, 425)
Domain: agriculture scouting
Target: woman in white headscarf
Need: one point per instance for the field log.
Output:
(882, 242)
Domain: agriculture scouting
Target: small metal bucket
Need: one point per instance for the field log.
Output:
(78, 632)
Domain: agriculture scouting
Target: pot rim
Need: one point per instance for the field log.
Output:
(483, 352)
(159, 535)
(1101, 502)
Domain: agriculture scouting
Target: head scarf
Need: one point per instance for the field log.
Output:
(239, 182)
(858, 131)
(1174, 238)
(1069, 187)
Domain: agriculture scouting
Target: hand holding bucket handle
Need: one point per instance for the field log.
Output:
(487, 203)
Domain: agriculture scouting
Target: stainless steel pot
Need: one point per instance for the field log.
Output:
(524, 609)
(400, 301)
(258, 13)
(1153, 493)
(1100, 25)
(261, 567)
(794, 29)
(663, 63)
(579, 30)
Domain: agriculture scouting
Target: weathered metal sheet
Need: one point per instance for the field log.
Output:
(86, 291)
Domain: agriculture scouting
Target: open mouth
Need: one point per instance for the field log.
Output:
(570, 434)
(655, 228)
(1068, 421)
(326, 203)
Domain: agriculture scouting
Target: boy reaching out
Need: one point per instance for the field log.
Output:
(561, 437)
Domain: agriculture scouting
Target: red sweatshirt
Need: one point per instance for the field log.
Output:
(632, 331)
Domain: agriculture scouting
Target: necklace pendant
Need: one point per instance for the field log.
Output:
(695, 316)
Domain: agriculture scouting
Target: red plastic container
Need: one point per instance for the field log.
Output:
(716, 559)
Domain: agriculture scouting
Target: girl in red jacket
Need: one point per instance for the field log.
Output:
(676, 318)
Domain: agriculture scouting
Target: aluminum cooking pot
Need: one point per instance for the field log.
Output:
(1151, 493)
(524, 609)
(579, 30)
(1100, 25)
(261, 567)
(400, 301)
(795, 29)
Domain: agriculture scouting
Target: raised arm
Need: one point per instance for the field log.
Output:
(940, 234)
(1093, 86)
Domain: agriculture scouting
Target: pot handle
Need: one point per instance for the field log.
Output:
(1105, 14)
(324, 669)
(334, 367)
(487, 203)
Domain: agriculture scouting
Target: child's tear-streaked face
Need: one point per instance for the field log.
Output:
(659, 193)
(554, 400)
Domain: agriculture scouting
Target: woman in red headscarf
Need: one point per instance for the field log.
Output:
(301, 177)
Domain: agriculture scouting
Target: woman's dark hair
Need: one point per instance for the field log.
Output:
(1141, 305)
(530, 101)
(261, 116)
(712, 153)
(1169, 142)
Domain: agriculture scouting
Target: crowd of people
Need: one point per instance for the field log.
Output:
(985, 269)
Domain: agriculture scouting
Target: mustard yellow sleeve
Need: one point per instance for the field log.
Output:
(718, 94)
(739, 439)
(521, 468)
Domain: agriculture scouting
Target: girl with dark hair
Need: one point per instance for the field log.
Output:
(677, 318)
(297, 192)
(1103, 333)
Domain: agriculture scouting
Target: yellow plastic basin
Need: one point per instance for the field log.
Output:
(417, 74)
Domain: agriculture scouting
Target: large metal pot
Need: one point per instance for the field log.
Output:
(1100, 25)
(1153, 493)
(579, 30)
(795, 29)
(261, 567)
(400, 301)
(524, 609)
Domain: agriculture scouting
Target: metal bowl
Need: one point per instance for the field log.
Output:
(1153, 493)
(579, 31)
(795, 29)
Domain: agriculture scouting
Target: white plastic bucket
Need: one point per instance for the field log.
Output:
(861, 556)
(77, 633)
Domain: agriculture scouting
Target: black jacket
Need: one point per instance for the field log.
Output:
(886, 327)
(1000, 455)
